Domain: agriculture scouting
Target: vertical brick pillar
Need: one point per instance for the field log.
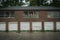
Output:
(30, 26)
(18, 26)
(42, 25)
(6, 26)
(54, 26)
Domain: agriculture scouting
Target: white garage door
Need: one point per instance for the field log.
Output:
(57, 25)
(24, 25)
(36, 26)
(13, 26)
(2, 26)
(48, 25)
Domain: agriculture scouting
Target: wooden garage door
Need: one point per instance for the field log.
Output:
(2, 26)
(24, 26)
(13, 26)
(48, 26)
(57, 25)
(36, 25)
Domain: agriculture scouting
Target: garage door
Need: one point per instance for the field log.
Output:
(2, 26)
(48, 25)
(12, 26)
(36, 26)
(24, 26)
(57, 25)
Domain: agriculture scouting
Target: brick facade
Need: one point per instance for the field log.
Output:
(19, 18)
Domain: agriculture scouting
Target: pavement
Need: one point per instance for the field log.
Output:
(30, 36)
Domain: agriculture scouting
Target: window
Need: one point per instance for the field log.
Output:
(53, 14)
(7, 14)
(1, 14)
(31, 14)
(11, 14)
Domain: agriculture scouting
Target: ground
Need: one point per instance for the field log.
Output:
(30, 36)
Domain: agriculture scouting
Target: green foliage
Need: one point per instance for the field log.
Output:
(56, 3)
(10, 3)
(35, 2)
(32, 3)
(27, 0)
(40, 2)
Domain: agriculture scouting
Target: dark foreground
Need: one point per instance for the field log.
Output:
(30, 36)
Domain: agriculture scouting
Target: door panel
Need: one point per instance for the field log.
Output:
(13, 26)
(2, 26)
(24, 25)
(36, 26)
(57, 25)
(48, 26)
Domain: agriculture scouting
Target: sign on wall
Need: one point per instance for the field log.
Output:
(48, 26)
(12, 26)
(57, 25)
(36, 26)
(24, 26)
(2, 26)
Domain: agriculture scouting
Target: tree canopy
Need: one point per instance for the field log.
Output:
(7, 3)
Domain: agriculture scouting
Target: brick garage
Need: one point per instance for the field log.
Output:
(30, 19)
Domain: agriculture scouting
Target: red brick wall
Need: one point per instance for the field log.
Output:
(19, 17)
